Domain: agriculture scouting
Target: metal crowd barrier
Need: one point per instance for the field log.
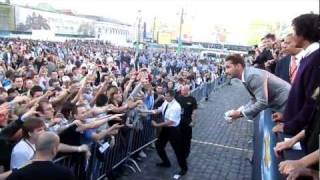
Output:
(205, 89)
(76, 162)
(131, 139)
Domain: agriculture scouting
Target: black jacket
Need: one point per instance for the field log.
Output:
(282, 68)
(263, 57)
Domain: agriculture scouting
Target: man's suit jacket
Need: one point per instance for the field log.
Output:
(298, 113)
(282, 68)
(267, 90)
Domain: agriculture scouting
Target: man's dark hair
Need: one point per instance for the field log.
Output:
(307, 26)
(41, 104)
(17, 76)
(30, 125)
(74, 110)
(56, 71)
(66, 109)
(102, 100)
(170, 92)
(104, 77)
(10, 74)
(236, 59)
(11, 90)
(35, 89)
(270, 36)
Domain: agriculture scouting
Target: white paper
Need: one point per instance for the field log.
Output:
(104, 147)
(226, 116)
(296, 146)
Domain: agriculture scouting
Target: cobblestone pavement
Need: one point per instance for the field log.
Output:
(219, 150)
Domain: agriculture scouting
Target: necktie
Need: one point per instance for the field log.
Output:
(293, 69)
(164, 112)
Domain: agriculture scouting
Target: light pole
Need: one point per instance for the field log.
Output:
(153, 30)
(180, 32)
(139, 26)
(138, 41)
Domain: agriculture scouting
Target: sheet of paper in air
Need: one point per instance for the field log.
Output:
(296, 146)
(104, 147)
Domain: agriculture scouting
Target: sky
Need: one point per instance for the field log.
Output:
(200, 15)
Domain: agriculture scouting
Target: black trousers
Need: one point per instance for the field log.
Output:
(171, 134)
(186, 136)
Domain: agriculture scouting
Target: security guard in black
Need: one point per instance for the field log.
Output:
(188, 106)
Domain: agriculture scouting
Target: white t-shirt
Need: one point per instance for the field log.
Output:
(22, 153)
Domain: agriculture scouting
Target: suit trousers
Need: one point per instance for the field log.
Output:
(171, 134)
(186, 136)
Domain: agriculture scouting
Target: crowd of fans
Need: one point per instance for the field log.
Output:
(91, 85)
(296, 59)
(85, 85)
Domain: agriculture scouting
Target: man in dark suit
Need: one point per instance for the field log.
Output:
(300, 103)
(284, 68)
(266, 53)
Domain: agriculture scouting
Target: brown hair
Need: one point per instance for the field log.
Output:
(236, 59)
(30, 125)
(41, 104)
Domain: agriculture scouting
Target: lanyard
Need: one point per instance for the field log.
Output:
(30, 145)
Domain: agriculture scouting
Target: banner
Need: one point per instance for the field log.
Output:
(28, 19)
(265, 164)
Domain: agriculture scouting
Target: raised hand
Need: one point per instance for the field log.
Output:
(31, 112)
(20, 99)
